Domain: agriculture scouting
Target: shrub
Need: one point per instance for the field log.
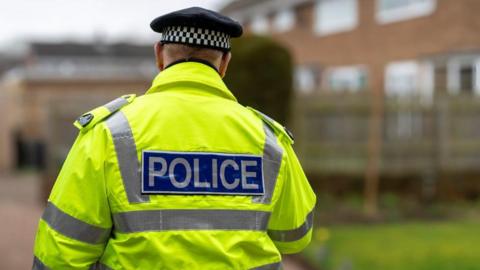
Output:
(260, 75)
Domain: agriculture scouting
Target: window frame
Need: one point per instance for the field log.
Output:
(400, 68)
(284, 26)
(411, 11)
(346, 27)
(260, 24)
(361, 70)
(308, 73)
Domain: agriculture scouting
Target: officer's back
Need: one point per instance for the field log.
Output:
(183, 177)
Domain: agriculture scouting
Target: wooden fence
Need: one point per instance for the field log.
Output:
(419, 136)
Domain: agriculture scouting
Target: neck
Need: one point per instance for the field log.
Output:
(192, 59)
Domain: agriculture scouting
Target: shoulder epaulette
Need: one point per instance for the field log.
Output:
(277, 127)
(89, 119)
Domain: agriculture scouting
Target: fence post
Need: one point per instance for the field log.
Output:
(374, 148)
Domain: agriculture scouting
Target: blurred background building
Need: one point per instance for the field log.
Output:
(56, 82)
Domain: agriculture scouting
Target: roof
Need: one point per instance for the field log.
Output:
(72, 49)
(245, 9)
(84, 61)
(7, 62)
(237, 5)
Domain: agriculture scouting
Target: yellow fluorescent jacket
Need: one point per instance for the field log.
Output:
(98, 218)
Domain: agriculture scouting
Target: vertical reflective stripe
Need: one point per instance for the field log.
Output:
(116, 104)
(295, 234)
(72, 227)
(127, 156)
(272, 266)
(272, 158)
(38, 265)
(189, 219)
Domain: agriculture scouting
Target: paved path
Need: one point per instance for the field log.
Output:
(19, 215)
(20, 211)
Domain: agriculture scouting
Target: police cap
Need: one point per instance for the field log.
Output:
(197, 26)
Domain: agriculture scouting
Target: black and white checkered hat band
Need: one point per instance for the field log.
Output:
(196, 36)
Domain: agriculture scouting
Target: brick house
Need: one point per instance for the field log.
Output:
(419, 47)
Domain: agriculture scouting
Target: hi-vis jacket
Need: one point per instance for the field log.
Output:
(182, 177)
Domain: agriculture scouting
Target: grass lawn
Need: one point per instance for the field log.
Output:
(449, 245)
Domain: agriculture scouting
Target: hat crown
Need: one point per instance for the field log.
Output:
(200, 18)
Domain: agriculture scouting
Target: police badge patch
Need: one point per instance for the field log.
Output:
(201, 173)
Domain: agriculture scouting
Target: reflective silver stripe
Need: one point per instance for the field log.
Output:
(38, 265)
(180, 219)
(116, 104)
(74, 228)
(295, 234)
(127, 156)
(272, 266)
(272, 158)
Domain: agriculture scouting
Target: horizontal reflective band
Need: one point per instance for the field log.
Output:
(74, 228)
(167, 220)
(292, 235)
(38, 265)
(116, 104)
(272, 266)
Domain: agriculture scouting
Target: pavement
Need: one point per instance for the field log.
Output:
(20, 210)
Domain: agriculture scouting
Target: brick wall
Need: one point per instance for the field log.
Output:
(454, 26)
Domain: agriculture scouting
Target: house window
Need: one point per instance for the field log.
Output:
(401, 78)
(284, 20)
(353, 78)
(260, 24)
(462, 75)
(389, 11)
(306, 79)
(476, 84)
(466, 79)
(332, 16)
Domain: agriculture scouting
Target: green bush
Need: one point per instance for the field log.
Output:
(260, 75)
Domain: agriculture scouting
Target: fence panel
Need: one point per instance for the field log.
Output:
(419, 137)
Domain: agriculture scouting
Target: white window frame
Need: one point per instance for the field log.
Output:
(260, 24)
(284, 20)
(410, 11)
(360, 70)
(477, 76)
(306, 79)
(423, 79)
(454, 66)
(323, 30)
(402, 69)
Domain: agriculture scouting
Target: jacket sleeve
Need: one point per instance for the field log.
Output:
(291, 223)
(75, 226)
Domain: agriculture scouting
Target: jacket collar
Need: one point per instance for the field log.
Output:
(185, 73)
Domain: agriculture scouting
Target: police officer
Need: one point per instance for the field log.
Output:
(183, 177)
